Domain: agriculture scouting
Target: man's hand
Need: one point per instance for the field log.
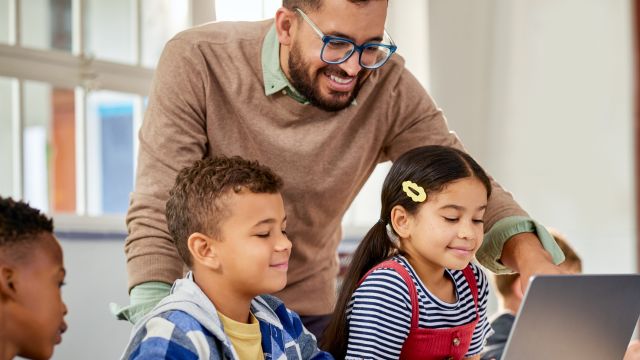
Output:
(633, 351)
(524, 253)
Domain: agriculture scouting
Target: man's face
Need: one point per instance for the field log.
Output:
(39, 304)
(333, 87)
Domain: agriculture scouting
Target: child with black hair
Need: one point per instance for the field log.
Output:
(31, 275)
(411, 291)
(228, 223)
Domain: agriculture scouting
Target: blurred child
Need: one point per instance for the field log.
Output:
(227, 219)
(31, 275)
(510, 295)
(411, 291)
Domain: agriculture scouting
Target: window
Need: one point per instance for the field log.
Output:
(246, 10)
(74, 76)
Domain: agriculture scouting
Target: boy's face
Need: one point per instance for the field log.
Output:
(38, 306)
(253, 247)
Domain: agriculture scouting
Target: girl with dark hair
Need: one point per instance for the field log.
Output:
(411, 291)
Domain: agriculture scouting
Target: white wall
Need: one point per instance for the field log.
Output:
(541, 93)
(96, 276)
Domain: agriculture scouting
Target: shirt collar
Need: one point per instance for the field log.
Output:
(274, 79)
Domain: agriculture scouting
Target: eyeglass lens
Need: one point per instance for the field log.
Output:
(337, 51)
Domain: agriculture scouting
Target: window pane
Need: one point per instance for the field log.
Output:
(161, 19)
(49, 147)
(232, 10)
(4, 21)
(6, 138)
(110, 153)
(365, 208)
(46, 24)
(109, 30)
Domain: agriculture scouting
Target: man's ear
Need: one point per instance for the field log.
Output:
(285, 21)
(401, 221)
(7, 283)
(203, 250)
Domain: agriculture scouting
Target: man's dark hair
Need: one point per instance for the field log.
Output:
(20, 226)
(196, 201)
(310, 5)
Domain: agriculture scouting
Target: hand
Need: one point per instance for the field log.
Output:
(633, 351)
(524, 254)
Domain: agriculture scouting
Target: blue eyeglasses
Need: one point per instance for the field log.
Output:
(336, 50)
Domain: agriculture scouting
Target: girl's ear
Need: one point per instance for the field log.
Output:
(401, 221)
(203, 251)
(7, 286)
(285, 21)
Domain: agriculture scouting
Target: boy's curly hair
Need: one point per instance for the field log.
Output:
(195, 202)
(20, 225)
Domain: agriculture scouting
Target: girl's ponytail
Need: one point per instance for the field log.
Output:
(373, 249)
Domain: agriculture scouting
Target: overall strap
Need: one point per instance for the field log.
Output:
(413, 293)
(473, 286)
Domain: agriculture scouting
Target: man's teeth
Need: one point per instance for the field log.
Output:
(340, 80)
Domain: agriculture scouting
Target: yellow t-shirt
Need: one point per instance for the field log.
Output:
(245, 338)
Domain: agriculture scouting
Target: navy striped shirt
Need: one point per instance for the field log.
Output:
(379, 313)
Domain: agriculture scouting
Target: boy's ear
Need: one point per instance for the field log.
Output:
(401, 221)
(203, 250)
(7, 283)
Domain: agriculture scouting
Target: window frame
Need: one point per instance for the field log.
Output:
(84, 74)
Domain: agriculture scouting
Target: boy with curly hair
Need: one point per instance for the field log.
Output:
(228, 223)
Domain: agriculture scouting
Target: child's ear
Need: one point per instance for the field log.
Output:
(7, 286)
(401, 221)
(203, 250)
(516, 289)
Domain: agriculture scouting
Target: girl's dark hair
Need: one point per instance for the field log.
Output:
(432, 167)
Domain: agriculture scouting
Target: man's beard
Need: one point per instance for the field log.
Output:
(304, 84)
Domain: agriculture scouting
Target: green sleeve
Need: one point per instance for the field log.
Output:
(143, 298)
(491, 250)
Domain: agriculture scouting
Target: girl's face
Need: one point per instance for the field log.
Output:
(447, 230)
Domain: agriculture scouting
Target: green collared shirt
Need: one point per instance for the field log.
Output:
(274, 79)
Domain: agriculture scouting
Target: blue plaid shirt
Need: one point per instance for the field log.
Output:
(185, 325)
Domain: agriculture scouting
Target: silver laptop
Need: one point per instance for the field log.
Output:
(575, 317)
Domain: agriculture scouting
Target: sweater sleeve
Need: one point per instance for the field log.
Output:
(173, 136)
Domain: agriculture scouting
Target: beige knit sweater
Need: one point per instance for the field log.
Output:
(208, 99)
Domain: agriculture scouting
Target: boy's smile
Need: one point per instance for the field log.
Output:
(251, 250)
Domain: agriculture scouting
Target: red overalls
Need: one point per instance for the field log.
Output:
(433, 344)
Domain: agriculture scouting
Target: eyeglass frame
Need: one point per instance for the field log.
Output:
(359, 48)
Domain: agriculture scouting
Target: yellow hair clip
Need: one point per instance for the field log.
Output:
(414, 191)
